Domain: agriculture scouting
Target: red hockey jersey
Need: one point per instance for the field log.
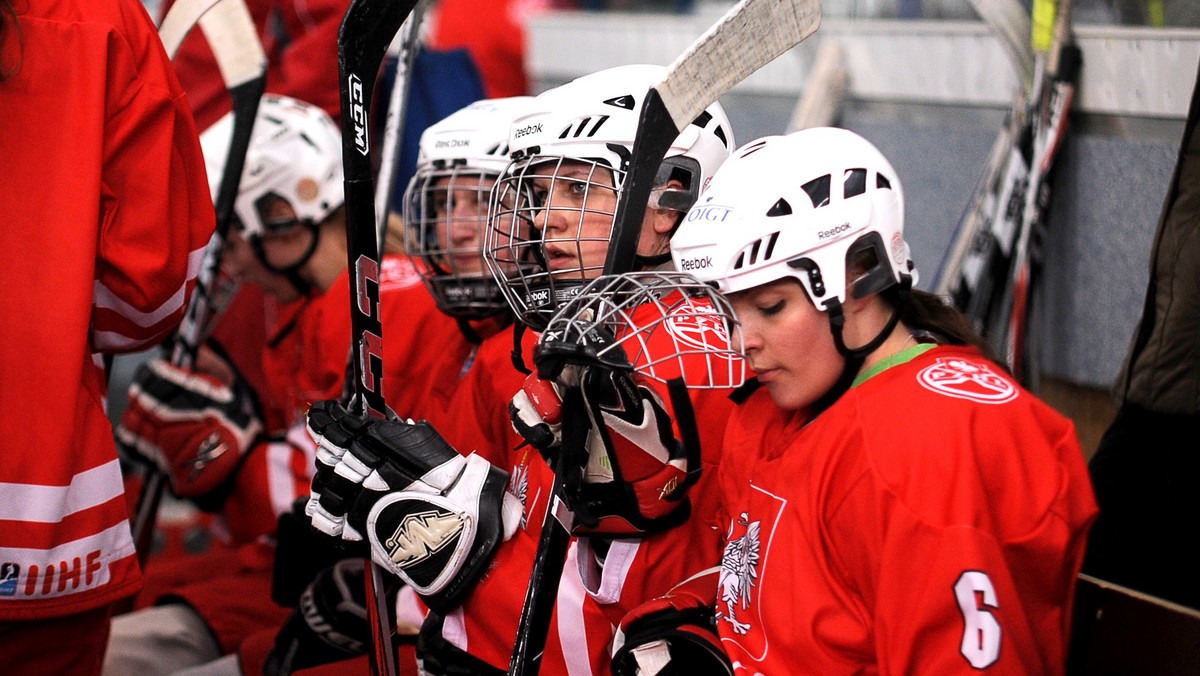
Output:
(931, 521)
(591, 599)
(106, 211)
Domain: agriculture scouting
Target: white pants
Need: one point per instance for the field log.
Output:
(158, 641)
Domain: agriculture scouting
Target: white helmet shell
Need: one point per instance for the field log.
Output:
(591, 121)
(797, 206)
(595, 117)
(458, 161)
(476, 136)
(295, 154)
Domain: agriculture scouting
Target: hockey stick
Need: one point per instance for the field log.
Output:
(367, 29)
(230, 31)
(179, 21)
(972, 245)
(824, 91)
(975, 272)
(750, 35)
(393, 125)
(1051, 127)
(747, 37)
(1010, 23)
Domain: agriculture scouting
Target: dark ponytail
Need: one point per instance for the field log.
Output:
(925, 311)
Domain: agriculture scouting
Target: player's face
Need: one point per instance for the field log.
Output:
(241, 262)
(787, 343)
(578, 204)
(460, 205)
(286, 243)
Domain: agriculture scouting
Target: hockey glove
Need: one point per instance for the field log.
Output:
(432, 516)
(635, 476)
(194, 428)
(673, 635)
(329, 624)
(536, 414)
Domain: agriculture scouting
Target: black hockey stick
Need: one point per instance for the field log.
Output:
(1050, 130)
(974, 276)
(751, 34)
(973, 243)
(231, 33)
(407, 45)
(367, 30)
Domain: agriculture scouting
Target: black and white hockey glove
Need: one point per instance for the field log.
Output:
(431, 516)
(193, 427)
(329, 623)
(673, 635)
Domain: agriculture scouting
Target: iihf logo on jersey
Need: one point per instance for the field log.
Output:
(9, 573)
(965, 379)
(739, 570)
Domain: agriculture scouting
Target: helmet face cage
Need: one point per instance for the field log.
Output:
(573, 141)
(668, 326)
(445, 205)
(445, 211)
(548, 232)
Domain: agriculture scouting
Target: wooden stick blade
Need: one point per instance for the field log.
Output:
(750, 35)
(179, 21)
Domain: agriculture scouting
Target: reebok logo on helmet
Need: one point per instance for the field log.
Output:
(826, 234)
(695, 263)
(527, 130)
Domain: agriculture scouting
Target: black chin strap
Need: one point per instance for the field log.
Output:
(856, 356)
(518, 360)
(292, 272)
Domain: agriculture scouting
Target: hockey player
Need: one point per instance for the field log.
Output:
(892, 501)
(445, 209)
(105, 214)
(550, 223)
(206, 433)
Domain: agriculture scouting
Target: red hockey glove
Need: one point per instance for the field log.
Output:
(634, 477)
(673, 635)
(196, 429)
(432, 516)
(536, 414)
(634, 481)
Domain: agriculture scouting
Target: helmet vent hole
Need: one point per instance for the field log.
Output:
(719, 132)
(750, 150)
(818, 191)
(741, 259)
(780, 208)
(771, 246)
(625, 101)
(599, 123)
(882, 182)
(855, 183)
(754, 251)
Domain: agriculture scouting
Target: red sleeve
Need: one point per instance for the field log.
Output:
(274, 474)
(156, 210)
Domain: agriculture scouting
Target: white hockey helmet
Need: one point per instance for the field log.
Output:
(591, 121)
(294, 156)
(802, 206)
(459, 158)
